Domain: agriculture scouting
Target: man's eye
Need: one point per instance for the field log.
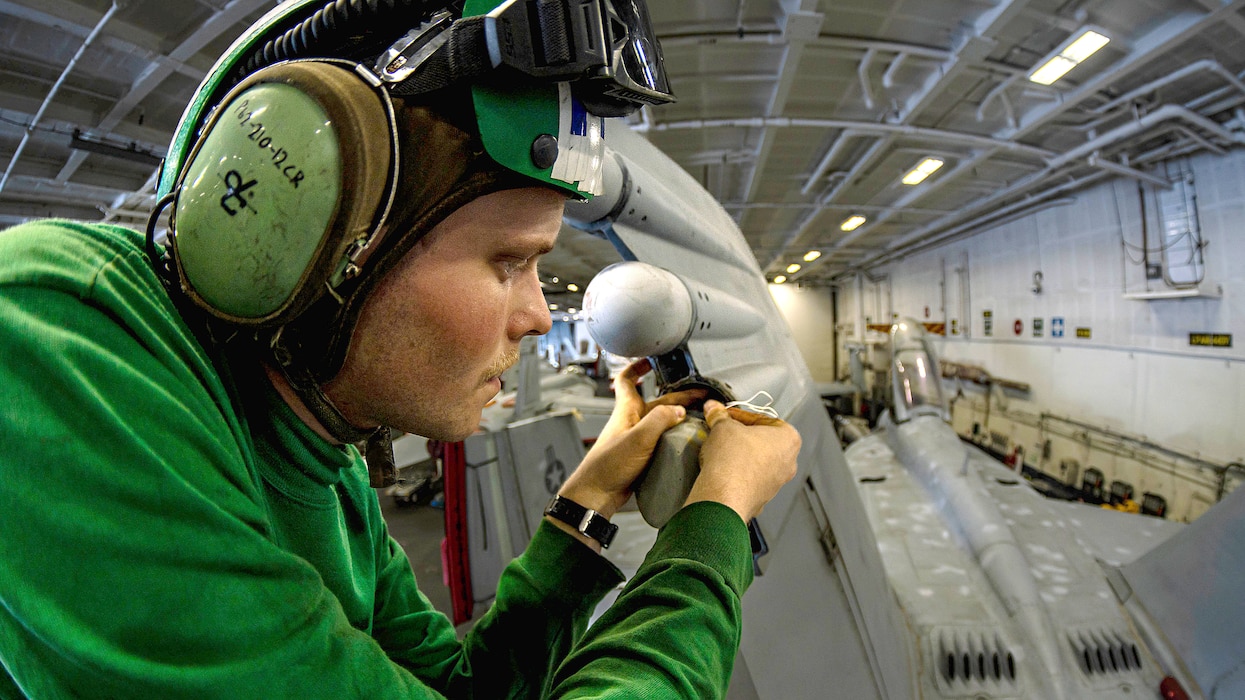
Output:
(514, 266)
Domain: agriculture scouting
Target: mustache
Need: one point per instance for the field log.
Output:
(502, 364)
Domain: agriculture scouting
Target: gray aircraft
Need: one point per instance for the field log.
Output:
(914, 565)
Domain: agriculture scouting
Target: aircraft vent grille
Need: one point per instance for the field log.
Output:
(1103, 651)
(974, 657)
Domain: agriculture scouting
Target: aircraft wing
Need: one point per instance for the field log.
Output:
(1114, 537)
(1189, 590)
(819, 614)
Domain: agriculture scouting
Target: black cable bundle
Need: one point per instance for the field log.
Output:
(352, 29)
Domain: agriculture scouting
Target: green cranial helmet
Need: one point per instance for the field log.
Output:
(602, 52)
(283, 174)
(311, 157)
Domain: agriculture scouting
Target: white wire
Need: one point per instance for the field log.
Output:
(763, 409)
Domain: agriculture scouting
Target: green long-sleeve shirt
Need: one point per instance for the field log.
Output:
(170, 529)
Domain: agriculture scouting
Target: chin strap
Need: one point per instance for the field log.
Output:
(381, 470)
(378, 452)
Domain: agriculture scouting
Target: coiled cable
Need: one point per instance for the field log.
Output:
(351, 29)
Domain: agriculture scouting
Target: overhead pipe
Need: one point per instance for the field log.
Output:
(1188, 141)
(1196, 105)
(47, 101)
(999, 91)
(1137, 126)
(774, 36)
(962, 167)
(1201, 140)
(864, 208)
(982, 32)
(888, 78)
(1206, 64)
(112, 214)
(798, 23)
(739, 16)
(1206, 104)
(1097, 160)
(828, 159)
(1015, 189)
(1008, 111)
(862, 72)
(977, 227)
(1168, 152)
(863, 128)
(1141, 442)
(938, 230)
(807, 221)
(1164, 114)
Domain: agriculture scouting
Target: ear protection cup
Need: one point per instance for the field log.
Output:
(287, 183)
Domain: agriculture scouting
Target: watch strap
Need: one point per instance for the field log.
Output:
(585, 520)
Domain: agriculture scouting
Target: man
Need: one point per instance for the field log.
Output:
(184, 512)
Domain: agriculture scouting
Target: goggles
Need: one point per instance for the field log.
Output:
(544, 74)
(605, 49)
(577, 63)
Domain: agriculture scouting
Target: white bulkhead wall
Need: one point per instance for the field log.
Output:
(1136, 374)
(810, 314)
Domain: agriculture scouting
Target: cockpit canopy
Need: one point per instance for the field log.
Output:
(916, 379)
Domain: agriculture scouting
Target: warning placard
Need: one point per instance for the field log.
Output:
(1211, 340)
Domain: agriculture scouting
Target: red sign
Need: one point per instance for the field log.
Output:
(1019, 326)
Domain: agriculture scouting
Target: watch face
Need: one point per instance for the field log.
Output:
(604, 533)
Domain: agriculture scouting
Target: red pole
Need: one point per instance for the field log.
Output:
(454, 549)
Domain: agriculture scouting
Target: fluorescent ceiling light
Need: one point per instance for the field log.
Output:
(812, 255)
(780, 279)
(553, 307)
(924, 169)
(572, 287)
(793, 268)
(853, 222)
(572, 310)
(1084, 46)
(1053, 70)
(1068, 57)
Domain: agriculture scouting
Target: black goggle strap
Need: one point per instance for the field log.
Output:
(436, 55)
(376, 443)
(443, 51)
(308, 389)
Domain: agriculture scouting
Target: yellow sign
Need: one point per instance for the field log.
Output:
(1211, 340)
(1083, 333)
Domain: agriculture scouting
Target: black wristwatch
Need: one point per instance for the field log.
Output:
(585, 520)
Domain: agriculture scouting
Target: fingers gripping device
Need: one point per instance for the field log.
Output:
(635, 309)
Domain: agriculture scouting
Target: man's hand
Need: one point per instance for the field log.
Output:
(603, 480)
(745, 460)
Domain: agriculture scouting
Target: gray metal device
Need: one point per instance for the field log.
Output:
(914, 566)
(635, 309)
(672, 472)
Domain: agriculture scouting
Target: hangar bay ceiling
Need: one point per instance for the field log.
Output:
(803, 117)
